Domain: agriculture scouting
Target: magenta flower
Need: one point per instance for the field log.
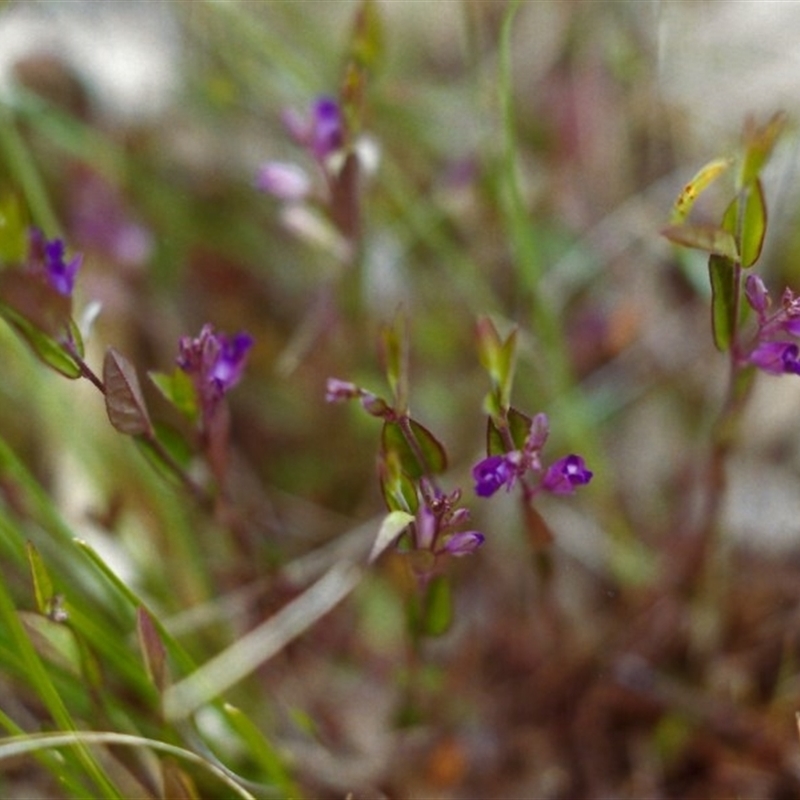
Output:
(215, 362)
(47, 258)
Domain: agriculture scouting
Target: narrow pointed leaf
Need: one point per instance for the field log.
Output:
(262, 751)
(748, 210)
(42, 585)
(394, 355)
(125, 404)
(759, 142)
(45, 348)
(696, 186)
(723, 300)
(710, 239)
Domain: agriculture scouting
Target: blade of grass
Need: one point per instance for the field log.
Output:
(31, 743)
(40, 682)
(259, 645)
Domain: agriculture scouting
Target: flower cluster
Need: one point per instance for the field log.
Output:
(775, 345)
(321, 134)
(47, 259)
(436, 522)
(215, 363)
(561, 477)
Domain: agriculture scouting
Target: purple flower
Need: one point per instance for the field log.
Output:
(215, 362)
(563, 476)
(323, 133)
(464, 543)
(771, 349)
(777, 358)
(283, 180)
(492, 473)
(47, 259)
(338, 391)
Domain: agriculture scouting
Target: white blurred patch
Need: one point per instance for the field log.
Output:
(126, 53)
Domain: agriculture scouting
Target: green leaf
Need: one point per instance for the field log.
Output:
(394, 523)
(13, 231)
(125, 404)
(695, 187)
(723, 300)
(759, 142)
(397, 488)
(426, 457)
(53, 641)
(45, 348)
(178, 388)
(708, 238)
(42, 585)
(518, 426)
(753, 222)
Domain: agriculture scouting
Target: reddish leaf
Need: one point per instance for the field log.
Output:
(125, 404)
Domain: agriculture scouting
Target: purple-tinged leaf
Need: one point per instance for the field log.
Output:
(153, 651)
(125, 404)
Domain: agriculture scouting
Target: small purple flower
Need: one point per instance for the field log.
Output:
(327, 132)
(47, 259)
(338, 391)
(492, 473)
(464, 543)
(215, 362)
(283, 180)
(777, 358)
(323, 133)
(564, 475)
(757, 296)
